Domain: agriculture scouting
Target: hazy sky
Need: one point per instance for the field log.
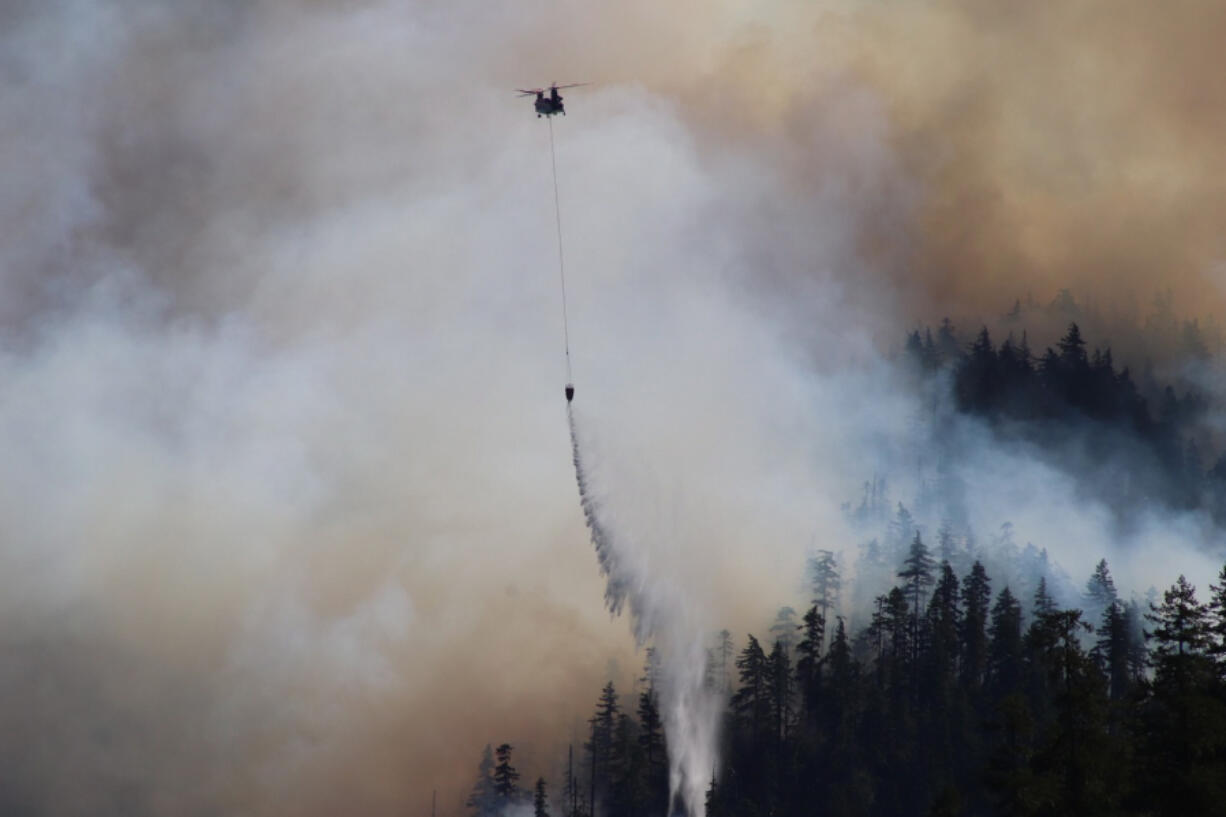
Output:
(288, 523)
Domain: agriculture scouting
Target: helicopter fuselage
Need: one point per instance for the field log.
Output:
(549, 105)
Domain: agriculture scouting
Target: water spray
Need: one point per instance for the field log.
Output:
(690, 709)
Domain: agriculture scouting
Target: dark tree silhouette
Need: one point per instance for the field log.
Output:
(1005, 648)
(809, 656)
(1184, 731)
(540, 800)
(916, 573)
(601, 745)
(976, 596)
(654, 750)
(1100, 588)
(751, 702)
(506, 778)
(972, 717)
(1216, 624)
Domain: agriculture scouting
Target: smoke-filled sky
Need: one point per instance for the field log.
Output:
(289, 524)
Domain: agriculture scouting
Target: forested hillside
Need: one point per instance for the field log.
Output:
(1133, 442)
(943, 675)
(957, 699)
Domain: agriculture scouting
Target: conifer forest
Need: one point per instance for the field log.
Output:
(954, 690)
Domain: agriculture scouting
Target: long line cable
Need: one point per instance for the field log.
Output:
(557, 212)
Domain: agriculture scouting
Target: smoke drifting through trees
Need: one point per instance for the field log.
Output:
(950, 703)
(274, 316)
(953, 695)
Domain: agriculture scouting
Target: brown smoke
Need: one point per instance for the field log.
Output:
(289, 525)
(1040, 146)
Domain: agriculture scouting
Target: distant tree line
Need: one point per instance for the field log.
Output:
(1070, 399)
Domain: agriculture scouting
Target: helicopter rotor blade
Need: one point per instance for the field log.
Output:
(569, 85)
(532, 92)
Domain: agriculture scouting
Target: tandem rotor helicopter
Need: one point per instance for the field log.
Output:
(552, 104)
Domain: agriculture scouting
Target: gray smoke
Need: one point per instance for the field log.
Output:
(285, 493)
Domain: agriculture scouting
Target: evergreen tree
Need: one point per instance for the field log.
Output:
(483, 799)
(839, 684)
(949, 349)
(1216, 624)
(1138, 654)
(976, 596)
(1073, 348)
(654, 751)
(1100, 588)
(627, 791)
(824, 581)
(944, 626)
(751, 702)
(916, 572)
(1005, 647)
(1112, 649)
(753, 739)
(781, 691)
(1181, 630)
(938, 703)
(890, 630)
(1051, 373)
(651, 728)
(977, 380)
(601, 746)
(1074, 757)
(809, 656)
(540, 801)
(1183, 728)
(506, 778)
(1043, 602)
(917, 577)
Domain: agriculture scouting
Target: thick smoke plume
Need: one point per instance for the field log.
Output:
(286, 516)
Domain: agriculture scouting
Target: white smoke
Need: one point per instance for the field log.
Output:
(285, 485)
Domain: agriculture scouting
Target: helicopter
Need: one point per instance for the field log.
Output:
(552, 104)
